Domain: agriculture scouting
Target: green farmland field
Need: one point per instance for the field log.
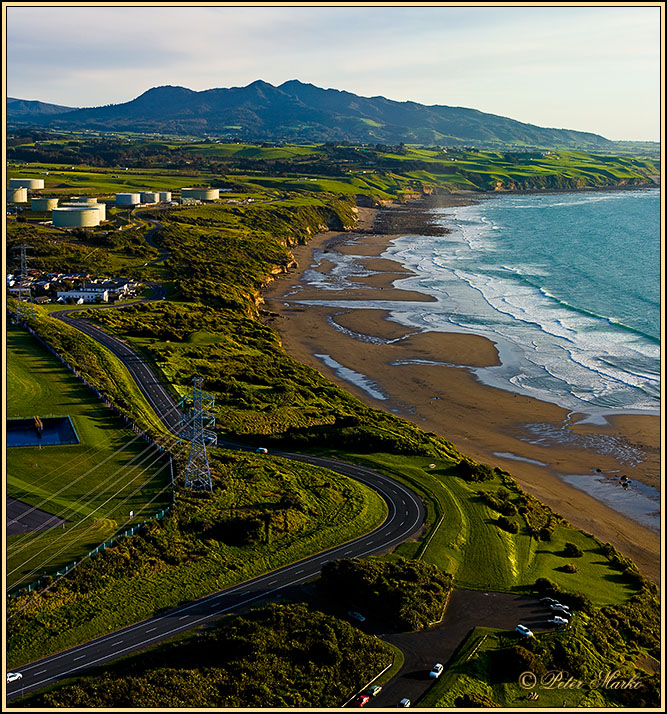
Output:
(93, 485)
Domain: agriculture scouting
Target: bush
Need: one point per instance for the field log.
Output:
(507, 525)
(572, 551)
(472, 471)
(569, 568)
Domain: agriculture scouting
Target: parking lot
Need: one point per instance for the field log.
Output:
(467, 609)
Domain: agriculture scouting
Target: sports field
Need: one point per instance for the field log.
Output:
(93, 485)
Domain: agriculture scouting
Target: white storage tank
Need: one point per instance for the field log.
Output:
(31, 183)
(202, 193)
(83, 199)
(43, 204)
(17, 195)
(79, 217)
(128, 199)
(101, 208)
(165, 196)
(149, 197)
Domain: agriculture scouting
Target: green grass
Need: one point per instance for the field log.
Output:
(468, 544)
(94, 484)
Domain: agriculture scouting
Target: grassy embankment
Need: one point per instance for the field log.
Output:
(93, 485)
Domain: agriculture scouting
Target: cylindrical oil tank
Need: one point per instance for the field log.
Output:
(149, 197)
(165, 196)
(101, 208)
(128, 199)
(43, 204)
(70, 217)
(17, 195)
(202, 193)
(83, 199)
(31, 183)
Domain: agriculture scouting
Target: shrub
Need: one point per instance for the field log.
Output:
(572, 550)
(569, 568)
(472, 471)
(507, 525)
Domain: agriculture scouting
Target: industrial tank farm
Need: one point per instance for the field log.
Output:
(28, 183)
(17, 195)
(149, 197)
(43, 204)
(201, 193)
(126, 200)
(101, 208)
(76, 217)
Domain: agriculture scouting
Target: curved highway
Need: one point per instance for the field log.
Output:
(405, 517)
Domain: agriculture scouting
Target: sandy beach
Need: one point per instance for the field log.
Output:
(540, 443)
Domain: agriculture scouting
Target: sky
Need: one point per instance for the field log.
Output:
(590, 68)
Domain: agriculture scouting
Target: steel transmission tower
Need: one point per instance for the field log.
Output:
(195, 424)
(24, 306)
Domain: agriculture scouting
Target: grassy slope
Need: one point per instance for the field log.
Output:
(94, 484)
(480, 555)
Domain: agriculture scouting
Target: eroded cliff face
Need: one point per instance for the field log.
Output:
(546, 183)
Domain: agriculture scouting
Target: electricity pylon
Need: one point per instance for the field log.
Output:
(194, 423)
(25, 308)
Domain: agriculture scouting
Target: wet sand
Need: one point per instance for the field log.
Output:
(491, 425)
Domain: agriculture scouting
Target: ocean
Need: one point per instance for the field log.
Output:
(567, 285)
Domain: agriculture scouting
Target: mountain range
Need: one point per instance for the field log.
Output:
(295, 111)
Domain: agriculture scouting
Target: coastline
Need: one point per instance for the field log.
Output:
(489, 424)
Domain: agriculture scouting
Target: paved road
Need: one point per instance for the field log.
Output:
(405, 518)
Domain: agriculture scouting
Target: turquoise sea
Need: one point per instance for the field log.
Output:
(567, 285)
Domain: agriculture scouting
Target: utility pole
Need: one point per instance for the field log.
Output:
(25, 308)
(194, 423)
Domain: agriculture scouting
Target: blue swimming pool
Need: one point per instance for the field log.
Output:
(38, 431)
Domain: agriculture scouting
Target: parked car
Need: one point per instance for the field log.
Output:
(556, 620)
(13, 676)
(261, 450)
(548, 600)
(356, 616)
(558, 606)
(436, 671)
(523, 630)
(560, 611)
(374, 690)
(404, 703)
(361, 700)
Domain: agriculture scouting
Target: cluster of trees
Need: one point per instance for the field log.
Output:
(280, 655)
(407, 594)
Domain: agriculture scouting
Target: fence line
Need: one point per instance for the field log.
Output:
(137, 430)
(107, 544)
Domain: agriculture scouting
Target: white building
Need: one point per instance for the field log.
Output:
(85, 295)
